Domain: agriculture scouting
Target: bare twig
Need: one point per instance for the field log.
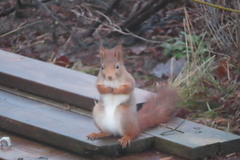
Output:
(133, 22)
(12, 9)
(56, 20)
(20, 27)
(101, 19)
(68, 40)
(223, 27)
(115, 28)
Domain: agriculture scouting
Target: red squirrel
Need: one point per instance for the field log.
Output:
(116, 114)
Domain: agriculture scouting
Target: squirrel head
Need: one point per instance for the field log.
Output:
(111, 62)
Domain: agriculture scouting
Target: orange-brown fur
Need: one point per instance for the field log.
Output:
(115, 113)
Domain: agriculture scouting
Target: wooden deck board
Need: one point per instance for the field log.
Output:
(65, 129)
(32, 150)
(51, 81)
(195, 140)
(59, 127)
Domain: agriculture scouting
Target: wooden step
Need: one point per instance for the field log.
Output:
(52, 81)
(68, 130)
(58, 127)
(193, 140)
(49, 124)
(26, 149)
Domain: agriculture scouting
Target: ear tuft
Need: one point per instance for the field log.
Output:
(118, 52)
(102, 51)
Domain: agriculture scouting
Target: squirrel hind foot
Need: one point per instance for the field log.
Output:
(125, 141)
(93, 136)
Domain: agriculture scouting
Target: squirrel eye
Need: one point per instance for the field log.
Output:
(102, 67)
(117, 67)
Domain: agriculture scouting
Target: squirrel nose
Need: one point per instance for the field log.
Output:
(110, 77)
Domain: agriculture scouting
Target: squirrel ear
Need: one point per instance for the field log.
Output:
(102, 51)
(118, 52)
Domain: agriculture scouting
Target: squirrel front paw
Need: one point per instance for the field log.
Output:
(102, 89)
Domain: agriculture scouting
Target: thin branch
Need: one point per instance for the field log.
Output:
(20, 27)
(51, 14)
(116, 28)
(101, 19)
(154, 6)
(12, 9)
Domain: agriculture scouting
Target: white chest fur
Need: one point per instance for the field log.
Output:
(111, 118)
(111, 121)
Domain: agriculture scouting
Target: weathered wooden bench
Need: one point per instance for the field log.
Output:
(52, 104)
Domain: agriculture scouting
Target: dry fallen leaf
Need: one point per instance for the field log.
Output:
(171, 67)
(138, 49)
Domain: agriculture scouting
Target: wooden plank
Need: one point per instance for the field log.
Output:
(59, 127)
(32, 150)
(68, 130)
(29, 150)
(51, 81)
(195, 141)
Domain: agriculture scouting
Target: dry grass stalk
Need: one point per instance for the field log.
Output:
(223, 25)
(196, 68)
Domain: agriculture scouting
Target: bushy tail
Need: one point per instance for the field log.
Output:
(160, 107)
